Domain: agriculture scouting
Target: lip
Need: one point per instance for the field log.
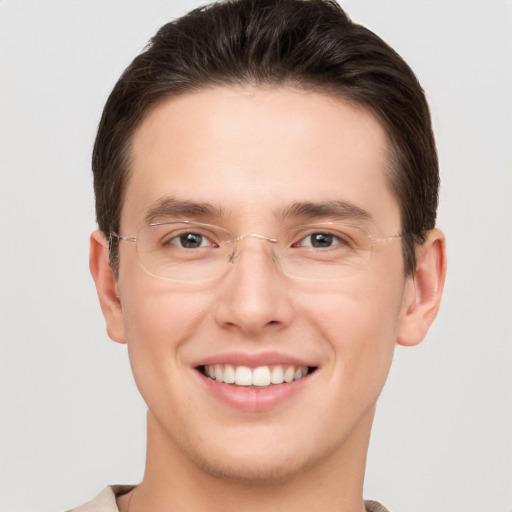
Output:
(254, 399)
(253, 360)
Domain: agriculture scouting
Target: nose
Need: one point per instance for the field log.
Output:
(254, 296)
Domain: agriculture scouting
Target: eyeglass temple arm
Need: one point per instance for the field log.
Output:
(125, 238)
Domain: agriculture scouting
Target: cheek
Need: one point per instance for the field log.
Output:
(160, 323)
(360, 326)
(358, 308)
(160, 320)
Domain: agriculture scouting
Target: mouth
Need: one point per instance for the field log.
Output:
(256, 383)
(259, 377)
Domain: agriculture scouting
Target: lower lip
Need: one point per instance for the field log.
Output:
(254, 399)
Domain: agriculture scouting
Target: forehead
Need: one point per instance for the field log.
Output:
(252, 152)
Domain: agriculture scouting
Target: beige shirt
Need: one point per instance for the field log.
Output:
(106, 501)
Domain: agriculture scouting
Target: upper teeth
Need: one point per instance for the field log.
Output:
(260, 376)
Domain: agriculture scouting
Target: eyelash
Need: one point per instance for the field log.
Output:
(169, 240)
(337, 240)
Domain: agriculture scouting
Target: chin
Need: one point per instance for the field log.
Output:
(255, 459)
(252, 471)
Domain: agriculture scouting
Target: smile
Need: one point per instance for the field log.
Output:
(256, 383)
(261, 376)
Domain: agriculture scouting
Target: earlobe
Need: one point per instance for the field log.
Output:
(106, 286)
(424, 290)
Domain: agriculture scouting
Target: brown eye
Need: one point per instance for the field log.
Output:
(186, 240)
(190, 240)
(321, 240)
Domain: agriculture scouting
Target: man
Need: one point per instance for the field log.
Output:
(266, 188)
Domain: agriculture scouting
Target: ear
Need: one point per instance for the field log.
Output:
(424, 289)
(106, 286)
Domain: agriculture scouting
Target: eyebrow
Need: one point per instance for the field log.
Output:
(336, 210)
(173, 207)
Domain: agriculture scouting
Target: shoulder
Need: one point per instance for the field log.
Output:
(105, 501)
(374, 506)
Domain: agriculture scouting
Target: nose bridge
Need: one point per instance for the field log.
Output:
(270, 245)
(254, 294)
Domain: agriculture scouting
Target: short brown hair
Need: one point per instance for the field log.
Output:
(307, 44)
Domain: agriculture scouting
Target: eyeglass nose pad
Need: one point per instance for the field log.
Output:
(237, 246)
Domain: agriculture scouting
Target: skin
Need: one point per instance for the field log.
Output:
(250, 152)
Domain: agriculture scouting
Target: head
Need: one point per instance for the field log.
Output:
(307, 44)
(256, 116)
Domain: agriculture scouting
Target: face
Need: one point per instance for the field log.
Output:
(249, 155)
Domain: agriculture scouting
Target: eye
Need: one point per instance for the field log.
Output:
(321, 240)
(190, 240)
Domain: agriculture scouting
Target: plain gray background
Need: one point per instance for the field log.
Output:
(71, 418)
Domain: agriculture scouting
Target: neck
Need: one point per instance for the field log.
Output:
(173, 482)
